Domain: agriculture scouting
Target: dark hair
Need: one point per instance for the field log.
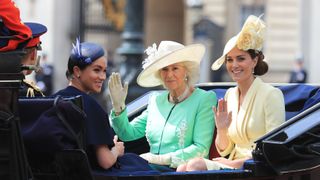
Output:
(82, 55)
(261, 67)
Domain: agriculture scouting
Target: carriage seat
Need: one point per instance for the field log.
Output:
(49, 127)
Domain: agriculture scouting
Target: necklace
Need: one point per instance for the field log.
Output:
(180, 98)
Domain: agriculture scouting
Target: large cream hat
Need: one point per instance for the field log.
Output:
(251, 36)
(168, 52)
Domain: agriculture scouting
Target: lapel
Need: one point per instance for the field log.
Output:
(243, 116)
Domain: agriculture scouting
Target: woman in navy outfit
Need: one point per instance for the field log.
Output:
(86, 73)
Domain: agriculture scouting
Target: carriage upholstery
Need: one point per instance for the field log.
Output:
(52, 128)
(295, 97)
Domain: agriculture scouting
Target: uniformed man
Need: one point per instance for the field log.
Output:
(16, 35)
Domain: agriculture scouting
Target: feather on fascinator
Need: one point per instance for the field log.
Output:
(78, 54)
(84, 54)
(251, 36)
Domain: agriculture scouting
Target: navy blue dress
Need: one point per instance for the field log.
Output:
(98, 130)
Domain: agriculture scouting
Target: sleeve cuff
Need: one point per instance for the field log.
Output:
(116, 120)
(227, 151)
(113, 113)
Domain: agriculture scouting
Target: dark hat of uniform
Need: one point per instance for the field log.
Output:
(37, 30)
(10, 40)
(15, 34)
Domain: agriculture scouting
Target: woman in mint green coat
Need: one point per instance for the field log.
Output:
(179, 122)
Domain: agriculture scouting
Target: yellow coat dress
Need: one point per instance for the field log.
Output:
(261, 111)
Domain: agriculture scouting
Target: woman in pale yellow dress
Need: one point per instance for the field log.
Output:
(249, 110)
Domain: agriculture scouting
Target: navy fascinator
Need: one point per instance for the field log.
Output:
(83, 54)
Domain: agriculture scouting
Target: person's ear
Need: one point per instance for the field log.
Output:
(76, 71)
(34, 55)
(255, 62)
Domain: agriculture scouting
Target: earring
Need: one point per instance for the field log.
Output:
(186, 78)
(252, 70)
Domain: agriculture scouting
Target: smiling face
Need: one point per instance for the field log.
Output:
(173, 77)
(240, 65)
(92, 77)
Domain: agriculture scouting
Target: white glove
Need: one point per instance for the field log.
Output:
(118, 93)
(164, 159)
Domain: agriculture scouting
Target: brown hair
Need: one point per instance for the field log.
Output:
(261, 67)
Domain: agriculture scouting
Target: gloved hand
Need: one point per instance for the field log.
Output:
(164, 159)
(118, 93)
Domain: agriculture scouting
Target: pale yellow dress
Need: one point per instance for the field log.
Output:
(262, 110)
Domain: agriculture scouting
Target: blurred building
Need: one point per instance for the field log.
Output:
(282, 18)
(62, 20)
(292, 29)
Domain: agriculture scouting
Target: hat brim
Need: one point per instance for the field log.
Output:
(36, 28)
(229, 46)
(192, 53)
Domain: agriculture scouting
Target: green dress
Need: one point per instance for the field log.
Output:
(183, 130)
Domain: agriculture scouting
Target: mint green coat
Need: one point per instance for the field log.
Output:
(187, 133)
